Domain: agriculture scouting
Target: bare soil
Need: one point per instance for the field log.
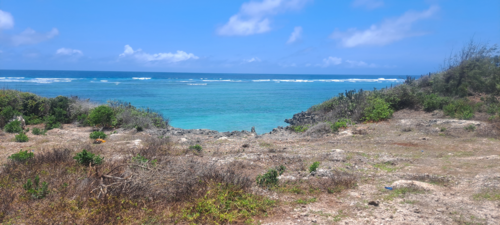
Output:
(437, 170)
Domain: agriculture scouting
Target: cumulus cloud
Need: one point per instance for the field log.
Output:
(353, 63)
(368, 4)
(69, 52)
(254, 59)
(389, 31)
(141, 56)
(254, 17)
(30, 36)
(6, 20)
(331, 61)
(295, 36)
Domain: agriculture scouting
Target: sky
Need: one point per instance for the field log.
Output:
(379, 37)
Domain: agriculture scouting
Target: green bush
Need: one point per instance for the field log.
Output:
(281, 169)
(313, 167)
(33, 120)
(459, 109)
(86, 158)
(51, 123)
(196, 147)
(37, 131)
(300, 128)
(341, 123)
(36, 191)
(21, 156)
(433, 102)
(59, 107)
(470, 128)
(98, 134)
(102, 115)
(8, 113)
(21, 137)
(377, 110)
(269, 179)
(82, 119)
(13, 127)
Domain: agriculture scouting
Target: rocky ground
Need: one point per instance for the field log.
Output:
(439, 172)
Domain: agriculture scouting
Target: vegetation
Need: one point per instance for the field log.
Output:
(54, 112)
(268, 179)
(21, 137)
(37, 131)
(300, 129)
(21, 156)
(97, 134)
(102, 115)
(35, 190)
(226, 204)
(13, 127)
(473, 70)
(470, 128)
(341, 123)
(86, 158)
(196, 147)
(313, 167)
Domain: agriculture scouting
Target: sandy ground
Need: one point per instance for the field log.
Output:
(447, 168)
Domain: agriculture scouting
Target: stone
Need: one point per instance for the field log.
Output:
(252, 130)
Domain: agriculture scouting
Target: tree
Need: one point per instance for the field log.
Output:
(102, 115)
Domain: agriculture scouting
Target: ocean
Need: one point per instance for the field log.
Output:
(222, 102)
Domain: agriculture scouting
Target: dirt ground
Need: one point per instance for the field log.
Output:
(439, 172)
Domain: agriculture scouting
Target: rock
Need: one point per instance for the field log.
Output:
(318, 130)
(20, 119)
(303, 118)
(182, 140)
(245, 145)
(252, 130)
(414, 184)
(374, 203)
(360, 131)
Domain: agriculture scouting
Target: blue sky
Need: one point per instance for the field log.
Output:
(381, 37)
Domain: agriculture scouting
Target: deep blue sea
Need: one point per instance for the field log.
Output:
(223, 102)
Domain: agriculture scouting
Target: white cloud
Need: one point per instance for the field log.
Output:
(352, 63)
(30, 36)
(296, 35)
(368, 4)
(6, 20)
(254, 17)
(69, 52)
(141, 56)
(331, 61)
(389, 31)
(254, 59)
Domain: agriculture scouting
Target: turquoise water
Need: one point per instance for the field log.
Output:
(223, 102)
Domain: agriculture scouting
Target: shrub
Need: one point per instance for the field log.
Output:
(8, 113)
(300, 128)
(51, 123)
(102, 115)
(128, 116)
(98, 134)
(59, 107)
(470, 128)
(281, 169)
(433, 102)
(21, 156)
(37, 131)
(21, 137)
(270, 178)
(36, 191)
(377, 110)
(341, 123)
(196, 147)
(459, 109)
(86, 158)
(33, 120)
(313, 167)
(13, 127)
